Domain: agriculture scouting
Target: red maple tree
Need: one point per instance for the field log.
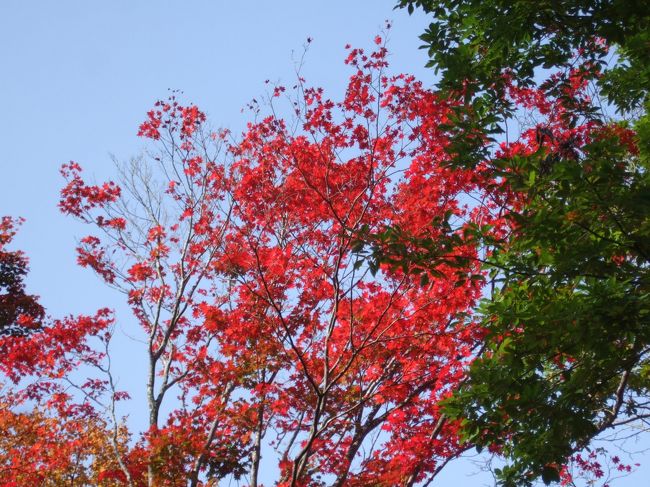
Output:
(266, 333)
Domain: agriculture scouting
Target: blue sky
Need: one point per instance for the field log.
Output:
(78, 76)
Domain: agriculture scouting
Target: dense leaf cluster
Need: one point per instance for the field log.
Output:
(19, 312)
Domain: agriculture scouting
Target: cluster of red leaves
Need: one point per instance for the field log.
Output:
(170, 116)
(78, 197)
(594, 467)
(53, 351)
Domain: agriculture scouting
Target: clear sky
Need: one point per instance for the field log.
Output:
(76, 78)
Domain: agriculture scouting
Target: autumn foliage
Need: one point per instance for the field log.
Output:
(268, 337)
(263, 325)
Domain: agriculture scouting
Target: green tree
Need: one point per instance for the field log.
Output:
(568, 321)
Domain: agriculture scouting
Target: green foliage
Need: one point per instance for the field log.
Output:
(568, 323)
(569, 329)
